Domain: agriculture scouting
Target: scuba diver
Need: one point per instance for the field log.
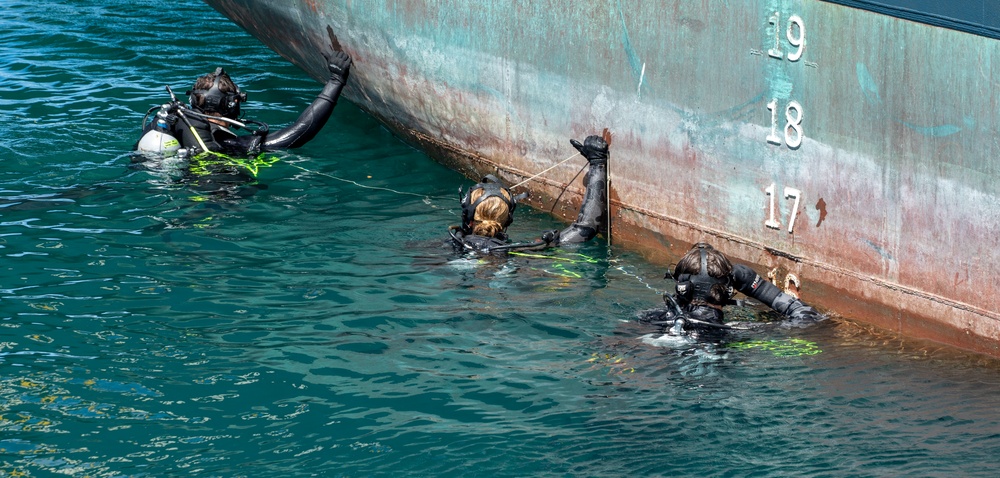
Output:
(488, 208)
(707, 281)
(204, 125)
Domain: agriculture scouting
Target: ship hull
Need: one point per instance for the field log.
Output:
(848, 152)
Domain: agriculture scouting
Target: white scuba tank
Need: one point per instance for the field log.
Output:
(158, 141)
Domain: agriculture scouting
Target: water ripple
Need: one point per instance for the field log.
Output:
(317, 319)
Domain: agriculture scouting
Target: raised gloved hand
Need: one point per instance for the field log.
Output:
(594, 148)
(339, 64)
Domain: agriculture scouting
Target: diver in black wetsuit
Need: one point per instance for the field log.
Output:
(214, 108)
(488, 207)
(707, 281)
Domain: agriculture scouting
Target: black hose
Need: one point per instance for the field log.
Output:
(150, 110)
(673, 302)
(454, 237)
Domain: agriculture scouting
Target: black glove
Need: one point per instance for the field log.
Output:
(254, 145)
(550, 236)
(339, 65)
(661, 317)
(800, 314)
(594, 148)
(797, 311)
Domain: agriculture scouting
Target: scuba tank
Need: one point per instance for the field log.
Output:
(158, 140)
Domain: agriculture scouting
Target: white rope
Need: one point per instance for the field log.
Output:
(426, 197)
(543, 172)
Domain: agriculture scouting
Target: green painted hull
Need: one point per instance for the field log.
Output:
(853, 150)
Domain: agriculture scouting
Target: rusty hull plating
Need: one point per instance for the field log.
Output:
(854, 150)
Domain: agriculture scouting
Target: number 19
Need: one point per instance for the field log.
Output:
(795, 23)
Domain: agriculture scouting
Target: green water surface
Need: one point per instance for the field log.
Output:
(316, 323)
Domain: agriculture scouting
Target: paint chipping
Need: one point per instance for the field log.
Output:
(821, 207)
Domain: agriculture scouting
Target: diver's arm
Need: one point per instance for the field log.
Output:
(753, 285)
(312, 120)
(593, 212)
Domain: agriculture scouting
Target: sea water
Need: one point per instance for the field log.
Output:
(314, 322)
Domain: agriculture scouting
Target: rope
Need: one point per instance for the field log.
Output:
(545, 171)
(404, 193)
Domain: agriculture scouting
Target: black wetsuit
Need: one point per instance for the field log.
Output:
(223, 140)
(591, 219)
(220, 139)
(705, 319)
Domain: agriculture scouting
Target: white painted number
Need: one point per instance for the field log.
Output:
(773, 136)
(793, 124)
(793, 193)
(776, 21)
(772, 221)
(799, 42)
(793, 128)
(795, 34)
